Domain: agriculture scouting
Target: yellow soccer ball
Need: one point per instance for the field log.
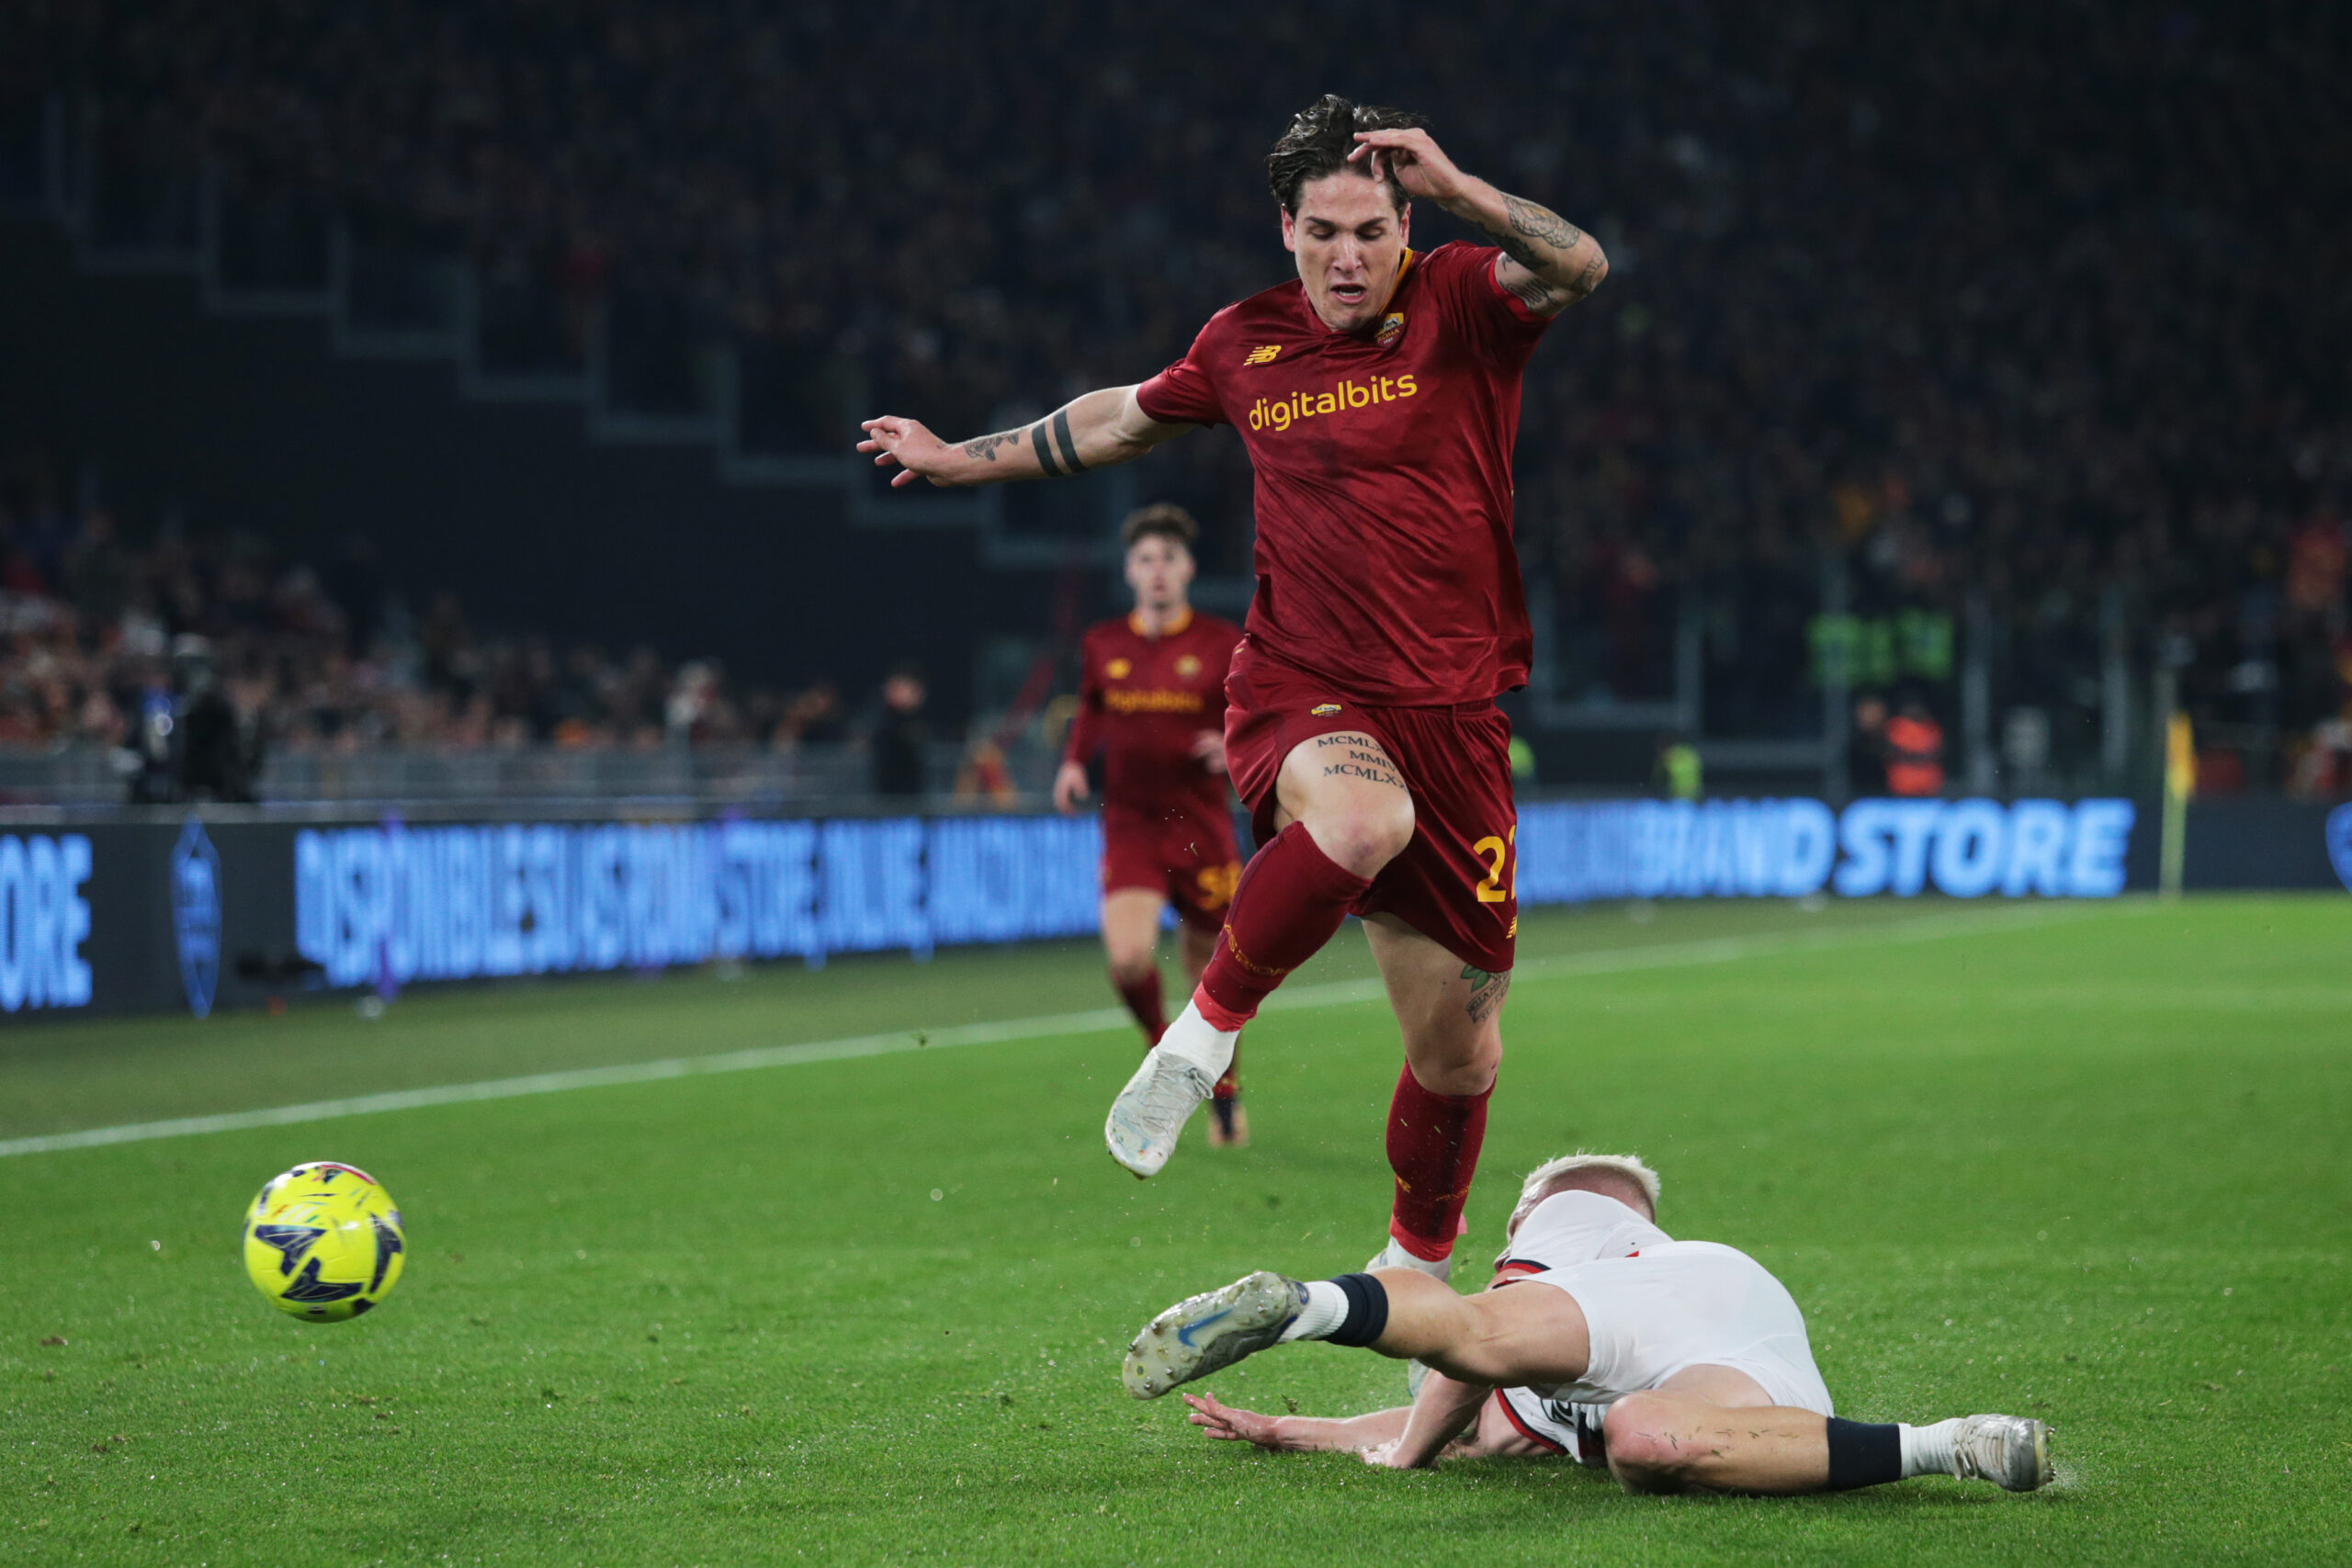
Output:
(323, 1242)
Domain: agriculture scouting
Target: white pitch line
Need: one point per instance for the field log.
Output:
(1097, 1020)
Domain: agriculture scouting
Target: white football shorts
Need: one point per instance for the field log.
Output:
(1675, 1305)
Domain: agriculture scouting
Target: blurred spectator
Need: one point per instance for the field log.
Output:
(1914, 751)
(1678, 774)
(902, 735)
(985, 774)
(1866, 747)
(812, 717)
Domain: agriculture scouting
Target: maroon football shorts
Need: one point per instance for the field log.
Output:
(1456, 882)
(1188, 857)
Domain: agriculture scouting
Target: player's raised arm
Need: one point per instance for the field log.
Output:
(1547, 261)
(1093, 431)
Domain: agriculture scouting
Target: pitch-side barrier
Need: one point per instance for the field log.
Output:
(121, 913)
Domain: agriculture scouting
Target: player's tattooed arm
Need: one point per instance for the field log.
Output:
(985, 448)
(1093, 431)
(1548, 263)
(1487, 990)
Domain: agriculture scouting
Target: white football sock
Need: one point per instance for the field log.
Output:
(1326, 1309)
(1926, 1450)
(1191, 1039)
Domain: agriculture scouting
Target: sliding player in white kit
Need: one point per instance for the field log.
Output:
(1680, 1365)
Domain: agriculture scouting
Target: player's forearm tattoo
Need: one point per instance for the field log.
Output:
(1539, 240)
(1062, 439)
(985, 449)
(1487, 990)
(1047, 447)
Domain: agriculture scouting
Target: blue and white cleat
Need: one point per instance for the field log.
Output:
(1204, 1334)
(1151, 1113)
(2011, 1451)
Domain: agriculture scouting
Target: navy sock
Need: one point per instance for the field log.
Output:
(1367, 1317)
(1863, 1453)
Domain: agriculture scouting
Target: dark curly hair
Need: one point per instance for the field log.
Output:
(1320, 138)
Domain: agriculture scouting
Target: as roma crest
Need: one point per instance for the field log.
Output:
(1392, 327)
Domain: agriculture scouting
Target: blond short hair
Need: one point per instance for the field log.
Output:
(1546, 1178)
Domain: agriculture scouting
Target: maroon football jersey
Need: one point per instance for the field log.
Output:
(1385, 560)
(1144, 700)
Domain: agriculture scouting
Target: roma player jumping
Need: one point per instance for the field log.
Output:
(1151, 700)
(1377, 393)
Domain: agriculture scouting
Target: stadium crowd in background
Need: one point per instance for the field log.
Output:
(1963, 299)
(324, 655)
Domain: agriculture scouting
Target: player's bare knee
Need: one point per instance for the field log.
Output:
(1368, 830)
(1645, 1452)
(1130, 965)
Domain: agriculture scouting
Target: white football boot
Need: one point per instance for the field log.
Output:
(2011, 1451)
(1393, 1256)
(1203, 1334)
(1151, 1113)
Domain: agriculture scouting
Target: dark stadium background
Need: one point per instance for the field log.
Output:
(436, 354)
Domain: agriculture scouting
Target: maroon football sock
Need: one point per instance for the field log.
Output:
(1291, 899)
(1434, 1141)
(1142, 999)
(1230, 1085)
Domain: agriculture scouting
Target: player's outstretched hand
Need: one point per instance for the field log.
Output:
(1069, 787)
(1209, 747)
(909, 445)
(1383, 1456)
(1411, 160)
(1228, 1425)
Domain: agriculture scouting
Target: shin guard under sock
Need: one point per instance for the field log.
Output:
(1291, 899)
(1433, 1143)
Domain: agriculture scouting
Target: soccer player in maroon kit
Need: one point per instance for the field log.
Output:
(1151, 700)
(1378, 396)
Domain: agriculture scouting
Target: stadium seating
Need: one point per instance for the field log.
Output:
(1877, 371)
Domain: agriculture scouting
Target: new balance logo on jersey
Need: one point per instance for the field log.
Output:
(1281, 414)
(1262, 355)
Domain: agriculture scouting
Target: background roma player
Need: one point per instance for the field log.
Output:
(1377, 393)
(1151, 700)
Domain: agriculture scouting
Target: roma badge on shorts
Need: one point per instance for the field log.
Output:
(1324, 710)
(1392, 327)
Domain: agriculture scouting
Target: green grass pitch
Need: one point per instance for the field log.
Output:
(2082, 1163)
